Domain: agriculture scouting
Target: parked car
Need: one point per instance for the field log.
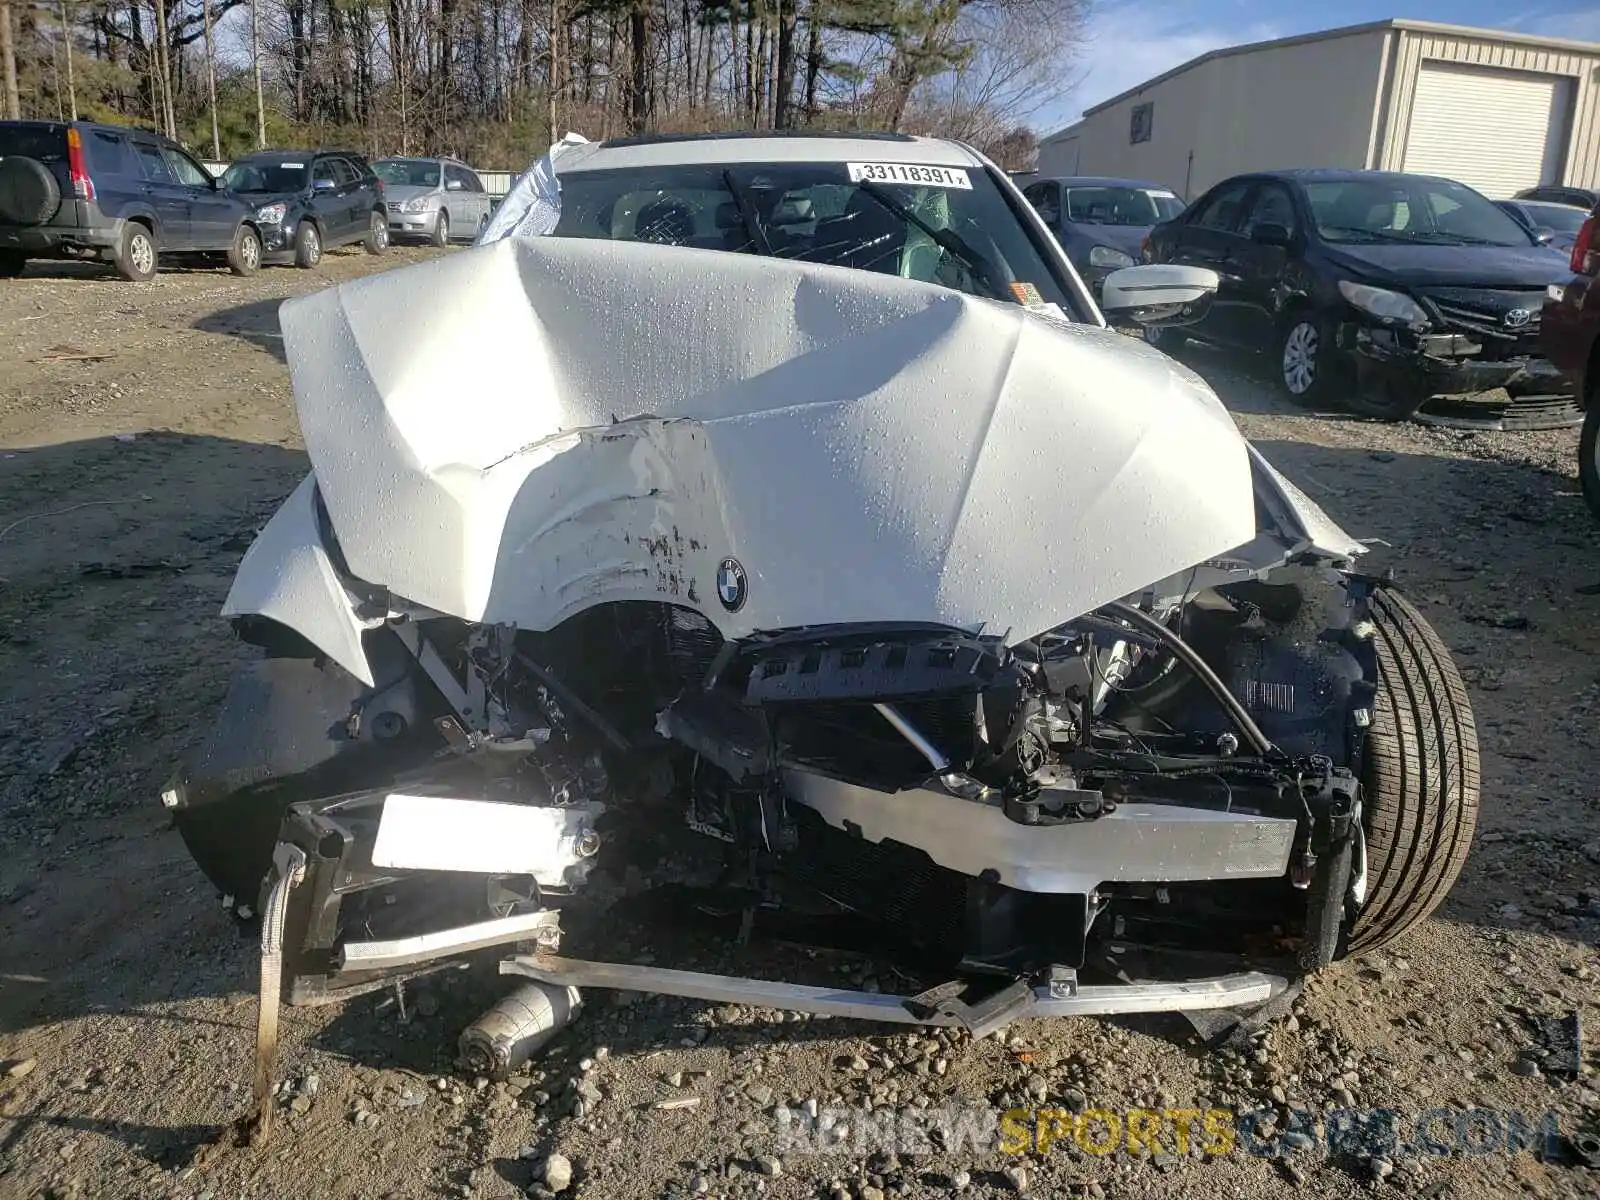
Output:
(433, 198)
(1401, 295)
(858, 570)
(1555, 225)
(1556, 193)
(308, 201)
(107, 193)
(1101, 223)
(1570, 335)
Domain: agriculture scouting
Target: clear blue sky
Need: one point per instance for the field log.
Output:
(1134, 40)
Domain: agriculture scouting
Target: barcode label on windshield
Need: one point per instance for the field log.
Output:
(946, 177)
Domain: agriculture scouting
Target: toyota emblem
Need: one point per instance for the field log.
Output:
(1518, 317)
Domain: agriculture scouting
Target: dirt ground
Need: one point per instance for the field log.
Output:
(147, 431)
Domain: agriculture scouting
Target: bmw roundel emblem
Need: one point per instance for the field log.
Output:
(732, 586)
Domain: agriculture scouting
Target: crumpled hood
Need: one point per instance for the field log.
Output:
(532, 427)
(1463, 266)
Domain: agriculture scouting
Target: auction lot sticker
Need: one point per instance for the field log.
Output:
(946, 177)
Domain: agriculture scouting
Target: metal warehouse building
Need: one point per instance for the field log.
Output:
(1497, 111)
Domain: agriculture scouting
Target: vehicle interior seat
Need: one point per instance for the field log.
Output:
(664, 222)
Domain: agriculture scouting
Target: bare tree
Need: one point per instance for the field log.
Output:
(211, 82)
(66, 41)
(8, 63)
(163, 61)
(255, 63)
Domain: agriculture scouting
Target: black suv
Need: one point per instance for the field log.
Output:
(1403, 296)
(306, 201)
(104, 192)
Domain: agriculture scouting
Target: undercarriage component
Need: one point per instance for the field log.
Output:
(518, 1027)
(1144, 842)
(1227, 991)
(421, 948)
(288, 866)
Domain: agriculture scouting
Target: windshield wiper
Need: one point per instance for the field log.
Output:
(747, 214)
(946, 239)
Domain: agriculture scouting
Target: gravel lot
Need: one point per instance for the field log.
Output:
(147, 431)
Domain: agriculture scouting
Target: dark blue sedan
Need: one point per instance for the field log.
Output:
(1101, 223)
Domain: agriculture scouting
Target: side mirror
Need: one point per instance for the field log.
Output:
(1269, 233)
(1158, 294)
(1544, 235)
(324, 184)
(454, 185)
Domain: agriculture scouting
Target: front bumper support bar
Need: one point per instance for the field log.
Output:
(1240, 990)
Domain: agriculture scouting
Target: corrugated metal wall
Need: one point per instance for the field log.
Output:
(1407, 49)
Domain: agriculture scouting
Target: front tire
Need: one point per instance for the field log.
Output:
(136, 254)
(307, 245)
(1420, 782)
(441, 229)
(1307, 358)
(377, 239)
(1589, 456)
(244, 256)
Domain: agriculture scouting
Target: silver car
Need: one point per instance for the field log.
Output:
(433, 198)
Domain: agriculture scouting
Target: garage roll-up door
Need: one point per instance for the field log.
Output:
(1497, 131)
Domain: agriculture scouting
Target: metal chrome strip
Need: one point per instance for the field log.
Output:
(406, 952)
(1226, 991)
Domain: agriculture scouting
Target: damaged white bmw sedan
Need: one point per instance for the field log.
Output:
(786, 502)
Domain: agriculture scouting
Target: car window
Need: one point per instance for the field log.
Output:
(1221, 209)
(108, 155)
(1410, 208)
(154, 163)
(1272, 206)
(1562, 218)
(474, 184)
(188, 172)
(815, 212)
(407, 172)
(1112, 205)
(29, 141)
(279, 175)
(1042, 197)
(455, 177)
(343, 173)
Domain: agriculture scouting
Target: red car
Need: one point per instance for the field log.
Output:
(1570, 337)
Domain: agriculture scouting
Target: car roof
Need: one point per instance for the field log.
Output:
(101, 125)
(1102, 181)
(291, 155)
(1527, 203)
(1341, 175)
(663, 150)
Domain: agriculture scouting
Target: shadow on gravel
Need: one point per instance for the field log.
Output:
(115, 557)
(256, 323)
(170, 1147)
(100, 272)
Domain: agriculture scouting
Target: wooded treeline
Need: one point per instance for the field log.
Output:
(490, 81)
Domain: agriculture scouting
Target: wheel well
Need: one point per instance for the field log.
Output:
(1591, 376)
(141, 219)
(1295, 306)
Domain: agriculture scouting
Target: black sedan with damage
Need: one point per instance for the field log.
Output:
(1402, 296)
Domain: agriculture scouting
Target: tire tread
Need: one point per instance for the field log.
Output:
(1422, 775)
